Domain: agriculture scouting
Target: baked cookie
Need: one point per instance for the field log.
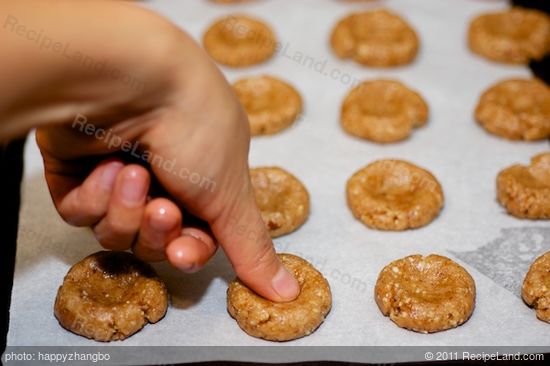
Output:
(273, 321)
(271, 104)
(513, 36)
(516, 109)
(375, 38)
(383, 111)
(536, 287)
(425, 293)
(394, 195)
(109, 296)
(239, 41)
(525, 190)
(282, 198)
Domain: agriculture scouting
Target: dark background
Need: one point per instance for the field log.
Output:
(11, 166)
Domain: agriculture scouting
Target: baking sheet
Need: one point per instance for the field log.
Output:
(472, 229)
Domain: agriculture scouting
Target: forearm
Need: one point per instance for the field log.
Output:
(61, 58)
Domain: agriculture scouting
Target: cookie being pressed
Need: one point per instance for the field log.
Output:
(109, 296)
(239, 41)
(516, 109)
(536, 287)
(375, 38)
(273, 321)
(383, 111)
(513, 36)
(282, 198)
(425, 293)
(525, 190)
(394, 195)
(271, 104)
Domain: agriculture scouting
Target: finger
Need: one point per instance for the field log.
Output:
(88, 202)
(161, 225)
(190, 252)
(120, 226)
(244, 237)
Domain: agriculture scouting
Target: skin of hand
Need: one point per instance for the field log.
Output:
(182, 118)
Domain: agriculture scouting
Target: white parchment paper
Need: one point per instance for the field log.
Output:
(472, 229)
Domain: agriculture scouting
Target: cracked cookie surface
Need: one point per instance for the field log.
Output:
(282, 199)
(394, 195)
(425, 293)
(271, 104)
(536, 287)
(383, 111)
(375, 38)
(240, 40)
(516, 109)
(109, 296)
(513, 36)
(273, 321)
(525, 190)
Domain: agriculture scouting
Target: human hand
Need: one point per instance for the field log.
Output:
(194, 136)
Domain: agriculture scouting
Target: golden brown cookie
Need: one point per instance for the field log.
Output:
(383, 111)
(271, 104)
(513, 36)
(525, 190)
(425, 293)
(536, 287)
(109, 296)
(517, 109)
(282, 198)
(394, 195)
(273, 321)
(239, 41)
(375, 38)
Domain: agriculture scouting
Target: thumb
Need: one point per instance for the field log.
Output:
(244, 238)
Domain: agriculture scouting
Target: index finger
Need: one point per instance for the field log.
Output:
(246, 241)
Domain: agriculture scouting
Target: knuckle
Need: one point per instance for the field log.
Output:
(147, 252)
(120, 228)
(91, 208)
(112, 235)
(105, 241)
(80, 213)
